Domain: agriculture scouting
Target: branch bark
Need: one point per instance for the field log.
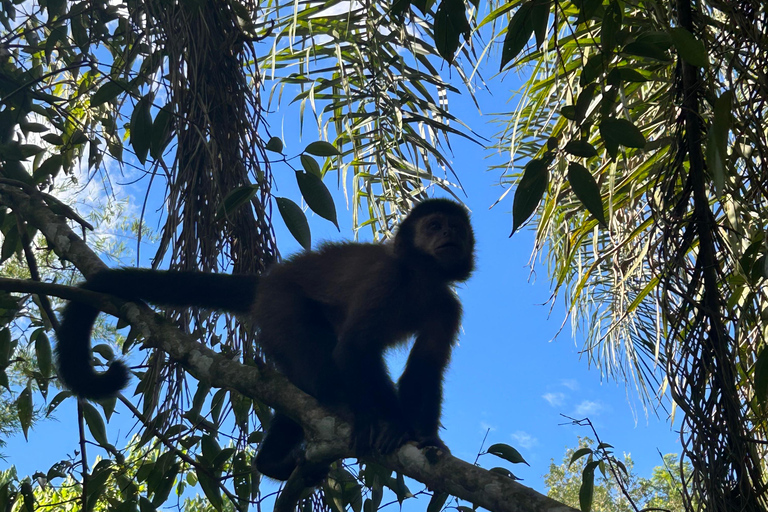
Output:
(328, 435)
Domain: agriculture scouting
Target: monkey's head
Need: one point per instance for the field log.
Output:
(439, 229)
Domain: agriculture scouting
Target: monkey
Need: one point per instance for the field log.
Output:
(325, 319)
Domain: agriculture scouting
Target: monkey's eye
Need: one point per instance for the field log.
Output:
(434, 225)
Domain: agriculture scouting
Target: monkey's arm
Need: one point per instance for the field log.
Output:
(420, 388)
(219, 291)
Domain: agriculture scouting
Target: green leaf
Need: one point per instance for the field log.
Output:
(43, 352)
(436, 503)
(610, 27)
(53, 139)
(587, 489)
(51, 167)
(503, 472)
(11, 244)
(690, 49)
(322, 148)
(24, 410)
(28, 495)
(275, 144)
(539, 20)
(161, 132)
(584, 101)
(586, 189)
(594, 67)
(295, 220)
(95, 424)
(647, 50)
(581, 452)
(450, 23)
(621, 131)
(310, 165)
(717, 140)
(507, 453)
(141, 127)
(569, 112)
(317, 196)
(529, 192)
(108, 92)
(518, 33)
(580, 147)
(235, 199)
(241, 478)
(210, 488)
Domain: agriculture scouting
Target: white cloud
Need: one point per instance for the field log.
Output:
(587, 408)
(554, 399)
(571, 384)
(524, 440)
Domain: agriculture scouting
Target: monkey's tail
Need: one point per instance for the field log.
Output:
(232, 293)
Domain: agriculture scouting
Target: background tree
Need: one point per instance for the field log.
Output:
(663, 490)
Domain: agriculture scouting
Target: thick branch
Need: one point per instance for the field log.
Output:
(328, 435)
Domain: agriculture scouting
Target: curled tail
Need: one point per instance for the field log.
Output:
(232, 293)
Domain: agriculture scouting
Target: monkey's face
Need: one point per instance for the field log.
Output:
(447, 239)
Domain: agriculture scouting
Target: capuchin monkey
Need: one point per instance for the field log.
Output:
(325, 319)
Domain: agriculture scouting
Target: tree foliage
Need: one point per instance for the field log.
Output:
(649, 118)
(621, 490)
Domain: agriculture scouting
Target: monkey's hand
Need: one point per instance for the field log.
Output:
(372, 432)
